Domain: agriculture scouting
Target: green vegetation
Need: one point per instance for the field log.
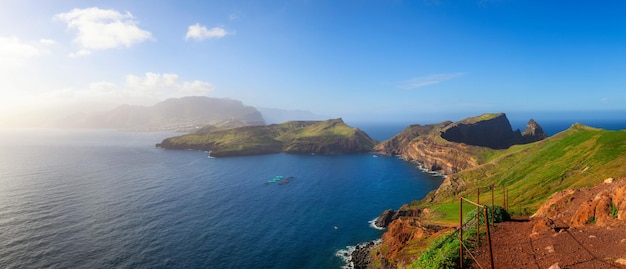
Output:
(444, 252)
(331, 136)
(614, 212)
(578, 157)
(495, 213)
(592, 220)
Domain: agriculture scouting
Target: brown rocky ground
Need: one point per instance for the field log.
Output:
(574, 229)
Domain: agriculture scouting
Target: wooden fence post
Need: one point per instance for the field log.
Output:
(460, 232)
(477, 217)
(489, 236)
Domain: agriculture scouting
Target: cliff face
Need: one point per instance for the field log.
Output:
(325, 137)
(398, 144)
(448, 158)
(492, 131)
(452, 147)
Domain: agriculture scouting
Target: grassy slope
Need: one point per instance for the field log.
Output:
(578, 157)
(269, 139)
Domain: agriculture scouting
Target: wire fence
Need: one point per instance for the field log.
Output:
(473, 225)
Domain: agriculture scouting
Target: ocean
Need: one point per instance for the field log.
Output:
(110, 199)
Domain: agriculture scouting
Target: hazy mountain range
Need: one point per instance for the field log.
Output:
(183, 114)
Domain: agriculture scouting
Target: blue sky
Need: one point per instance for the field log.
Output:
(367, 59)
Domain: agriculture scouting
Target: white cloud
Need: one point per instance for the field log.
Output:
(419, 82)
(99, 29)
(79, 53)
(135, 90)
(200, 32)
(14, 52)
(47, 42)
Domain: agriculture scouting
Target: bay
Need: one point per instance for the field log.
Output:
(110, 199)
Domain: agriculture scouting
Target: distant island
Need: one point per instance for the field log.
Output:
(174, 114)
(310, 137)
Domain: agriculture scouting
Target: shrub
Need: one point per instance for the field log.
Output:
(443, 253)
(614, 211)
(495, 213)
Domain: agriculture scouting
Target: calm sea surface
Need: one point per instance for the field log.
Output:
(109, 199)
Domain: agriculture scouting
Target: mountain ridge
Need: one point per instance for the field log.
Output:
(173, 114)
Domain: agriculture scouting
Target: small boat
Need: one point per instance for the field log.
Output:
(275, 179)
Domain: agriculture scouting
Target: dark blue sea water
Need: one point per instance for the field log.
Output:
(109, 199)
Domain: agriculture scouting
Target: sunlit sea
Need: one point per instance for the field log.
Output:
(110, 199)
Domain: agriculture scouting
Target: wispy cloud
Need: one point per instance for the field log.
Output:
(99, 29)
(419, 82)
(15, 52)
(134, 89)
(200, 32)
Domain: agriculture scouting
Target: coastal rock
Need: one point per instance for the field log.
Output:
(401, 232)
(390, 215)
(533, 132)
(385, 218)
(450, 147)
(492, 131)
(361, 258)
(397, 145)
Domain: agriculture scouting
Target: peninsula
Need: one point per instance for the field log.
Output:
(310, 137)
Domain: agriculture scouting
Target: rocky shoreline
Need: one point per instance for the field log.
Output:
(358, 257)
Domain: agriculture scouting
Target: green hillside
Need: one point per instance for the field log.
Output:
(327, 137)
(578, 157)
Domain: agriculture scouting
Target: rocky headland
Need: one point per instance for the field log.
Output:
(450, 147)
(568, 164)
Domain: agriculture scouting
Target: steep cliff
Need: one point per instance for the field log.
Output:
(452, 147)
(524, 177)
(325, 137)
(492, 131)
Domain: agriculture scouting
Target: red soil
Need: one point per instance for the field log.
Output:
(558, 236)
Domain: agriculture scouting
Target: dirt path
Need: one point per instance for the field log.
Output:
(580, 247)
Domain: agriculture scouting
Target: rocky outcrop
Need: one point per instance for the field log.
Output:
(451, 186)
(533, 132)
(398, 144)
(399, 236)
(601, 205)
(390, 215)
(450, 147)
(361, 256)
(448, 158)
(492, 131)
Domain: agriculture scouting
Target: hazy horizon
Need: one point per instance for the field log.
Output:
(376, 61)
